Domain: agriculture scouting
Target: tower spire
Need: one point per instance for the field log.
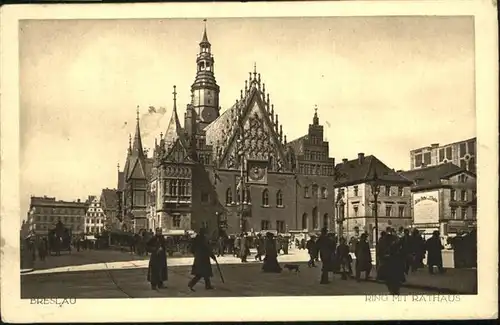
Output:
(204, 40)
(175, 98)
(315, 118)
(137, 148)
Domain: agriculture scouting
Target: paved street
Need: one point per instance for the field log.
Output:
(112, 274)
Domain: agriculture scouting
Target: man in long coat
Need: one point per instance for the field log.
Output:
(260, 243)
(157, 268)
(434, 255)
(326, 252)
(201, 266)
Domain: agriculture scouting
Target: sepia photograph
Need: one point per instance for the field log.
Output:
(249, 157)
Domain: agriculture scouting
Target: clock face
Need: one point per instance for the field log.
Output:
(208, 114)
(256, 173)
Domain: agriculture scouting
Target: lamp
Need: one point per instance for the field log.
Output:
(375, 187)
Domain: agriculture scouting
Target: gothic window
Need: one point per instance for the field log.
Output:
(176, 221)
(229, 196)
(279, 198)
(315, 191)
(323, 193)
(315, 218)
(172, 190)
(304, 221)
(306, 191)
(265, 198)
(325, 220)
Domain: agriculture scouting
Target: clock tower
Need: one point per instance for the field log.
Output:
(205, 91)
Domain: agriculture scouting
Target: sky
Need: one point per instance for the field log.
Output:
(382, 85)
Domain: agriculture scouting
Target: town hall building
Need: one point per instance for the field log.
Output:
(233, 169)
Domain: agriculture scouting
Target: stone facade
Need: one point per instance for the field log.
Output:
(232, 169)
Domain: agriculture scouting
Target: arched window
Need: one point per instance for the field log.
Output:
(304, 221)
(279, 198)
(324, 194)
(229, 196)
(325, 220)
(265, 198)
(315, 218)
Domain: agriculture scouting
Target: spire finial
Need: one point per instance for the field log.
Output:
(130, 140)
(137, 112)
(315, 118)
(205, 38)
(254, 70)
(175, 96)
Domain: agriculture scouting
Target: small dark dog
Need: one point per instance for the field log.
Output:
(292, 267)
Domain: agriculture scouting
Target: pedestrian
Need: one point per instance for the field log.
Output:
(363, 257)
(434, 254)
(392, 263)
(406, 248)
(220, 246)
(201, 265)
(326, 248)
(343, 258)
(42, 249)
(261, 249)
(271, 264)
(157, 267)
(243, 248)
(312, 250)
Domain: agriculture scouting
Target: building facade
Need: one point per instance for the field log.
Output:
(232, 169)
(109, 205)
(462, 154)
(443, 198)
(94, 218)
(45, 212)
(355, 199)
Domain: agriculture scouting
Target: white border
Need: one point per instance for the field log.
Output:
(484, 305)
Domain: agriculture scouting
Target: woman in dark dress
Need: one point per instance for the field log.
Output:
(363, 257)
(157, 268)
(270, 264)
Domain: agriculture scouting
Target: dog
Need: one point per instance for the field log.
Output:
(292, 267)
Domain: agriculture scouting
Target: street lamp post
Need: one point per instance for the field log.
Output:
(375, 189)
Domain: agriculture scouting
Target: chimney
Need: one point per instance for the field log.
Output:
(361, 157)
(78, 200)
(344, 160)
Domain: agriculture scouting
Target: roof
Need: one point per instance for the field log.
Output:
(298, 145)
(358, 172)
(432, 176)
(109, 199)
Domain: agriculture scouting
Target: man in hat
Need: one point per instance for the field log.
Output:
(326, 251)
(312, 250)
(434, 254)
(201, 265)
(260, 243)
(157, 268)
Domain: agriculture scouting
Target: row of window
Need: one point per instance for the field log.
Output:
(69, 211)
(94, 230)
(95, 214)
(324, 192)
(94, 221)
(386, 190)
(309, 169)
(388, 211)
(178, 187)
(461, 213)
(50, 226)
(247, 198)
(463, 195)
(315, 220)
(315, 155)
(57, 218)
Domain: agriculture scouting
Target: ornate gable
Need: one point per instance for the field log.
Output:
(177, 153)
(251, 120)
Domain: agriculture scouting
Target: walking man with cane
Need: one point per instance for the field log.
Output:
(201, 266)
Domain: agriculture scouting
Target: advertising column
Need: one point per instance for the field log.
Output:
(426, 211)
